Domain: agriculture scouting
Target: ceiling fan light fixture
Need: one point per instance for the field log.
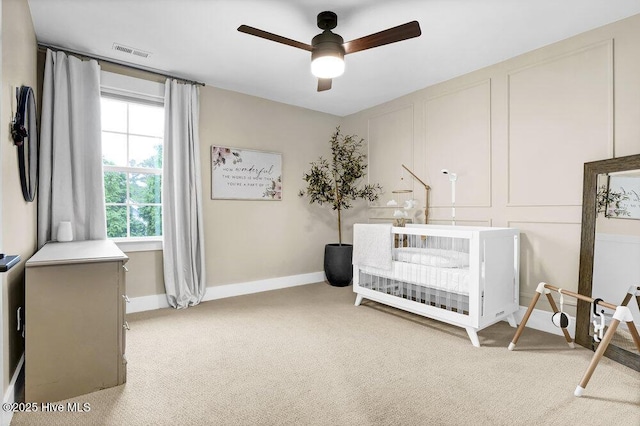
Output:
(327, 66)
(327, 56)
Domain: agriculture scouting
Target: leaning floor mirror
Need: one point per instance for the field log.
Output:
(610, 252)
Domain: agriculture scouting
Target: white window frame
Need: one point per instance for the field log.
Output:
(130, 89)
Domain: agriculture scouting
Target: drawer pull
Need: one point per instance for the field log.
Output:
(126, 326)
(126, 298)
(125, 268)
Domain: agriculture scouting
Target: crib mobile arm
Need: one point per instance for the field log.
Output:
(426, 195)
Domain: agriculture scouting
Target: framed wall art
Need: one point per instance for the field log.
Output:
(244, 174)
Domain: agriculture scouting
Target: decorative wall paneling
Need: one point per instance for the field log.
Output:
(560, 115)
(487, 222)
(549, 252)
(391, 144)
(458, 138)
(549, 111)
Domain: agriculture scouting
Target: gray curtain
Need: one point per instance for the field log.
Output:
(70, 177)
(182, 225)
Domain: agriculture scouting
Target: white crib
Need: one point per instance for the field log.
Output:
(460, 275)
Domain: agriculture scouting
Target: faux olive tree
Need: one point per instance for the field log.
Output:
(336, 182)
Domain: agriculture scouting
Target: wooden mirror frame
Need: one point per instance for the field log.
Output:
(587, 243)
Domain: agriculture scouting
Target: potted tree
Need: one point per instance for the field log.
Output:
(337, 184)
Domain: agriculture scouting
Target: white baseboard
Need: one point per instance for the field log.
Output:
(147, 303)
(231, 290)
(541, 320)
(10, 394)
(159, 301)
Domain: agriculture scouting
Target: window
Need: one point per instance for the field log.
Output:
(132, 136)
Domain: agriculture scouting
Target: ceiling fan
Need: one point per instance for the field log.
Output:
(328, 49)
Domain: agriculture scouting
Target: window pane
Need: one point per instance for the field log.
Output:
(115, 187)
(114, 149)
(116, 221)
(146, 221)
(145, 152)
(132, 136)
(114, 115)
(145, 188)
(146, 120)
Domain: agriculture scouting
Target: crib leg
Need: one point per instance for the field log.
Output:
(358, 300)
(473, 335)
(512, 320)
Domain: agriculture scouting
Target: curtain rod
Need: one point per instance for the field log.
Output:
(43, 47)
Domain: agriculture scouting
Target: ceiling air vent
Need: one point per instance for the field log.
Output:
(131, 50)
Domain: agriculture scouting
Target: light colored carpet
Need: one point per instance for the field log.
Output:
(306, 355)
(623, 339)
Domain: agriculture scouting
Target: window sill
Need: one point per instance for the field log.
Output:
(135, 244)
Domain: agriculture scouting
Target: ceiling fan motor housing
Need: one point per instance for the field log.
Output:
(327, 44)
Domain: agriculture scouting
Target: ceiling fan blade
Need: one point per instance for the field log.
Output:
(324, 84)
(392, 35)
(273, 37)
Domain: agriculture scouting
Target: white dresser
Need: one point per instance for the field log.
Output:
(75, 320)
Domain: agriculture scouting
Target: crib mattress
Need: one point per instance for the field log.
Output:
(455, 280)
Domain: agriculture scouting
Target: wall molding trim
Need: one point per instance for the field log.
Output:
(456, 89)
(147, 303)
(608, 43)
(482, 108)
(391, 109)
(159, 301)
(546, 222)
(469, 222)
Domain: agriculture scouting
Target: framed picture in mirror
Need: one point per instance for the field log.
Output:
(623, 196)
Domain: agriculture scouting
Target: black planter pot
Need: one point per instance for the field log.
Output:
(337, 264)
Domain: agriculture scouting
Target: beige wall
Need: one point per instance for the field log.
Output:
(255, 240)
(145, 273)
(518, 133)
(18, 216)
(252, 240)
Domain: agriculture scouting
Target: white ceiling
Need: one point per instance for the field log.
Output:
(198, 40)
